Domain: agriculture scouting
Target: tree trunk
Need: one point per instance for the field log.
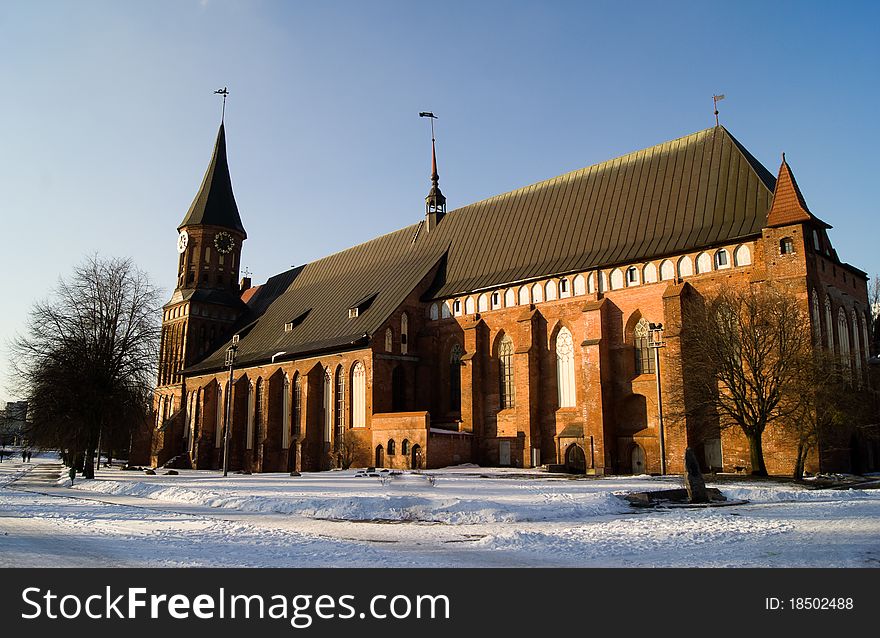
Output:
(756, 455)
(800, 459)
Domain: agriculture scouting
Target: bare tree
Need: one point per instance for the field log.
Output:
(744, 353)
(874, 307)
(87, 360)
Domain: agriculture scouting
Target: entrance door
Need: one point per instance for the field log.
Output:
(380, 456)
(638, 460)
(504, 453)
(417, 457)
(575, 459)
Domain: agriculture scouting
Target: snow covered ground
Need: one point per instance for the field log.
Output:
(464, 516)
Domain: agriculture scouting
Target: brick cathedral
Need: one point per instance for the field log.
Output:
(514, 331)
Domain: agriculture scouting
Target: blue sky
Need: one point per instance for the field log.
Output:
(108, 115)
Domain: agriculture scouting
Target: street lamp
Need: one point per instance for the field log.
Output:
(230, 361)
(655, 341)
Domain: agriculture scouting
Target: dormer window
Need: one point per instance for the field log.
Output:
(293, 323)
(352, 313)
(288, 327)
(786, 246)
(361, 306)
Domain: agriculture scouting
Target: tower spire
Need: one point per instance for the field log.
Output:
(435, 202)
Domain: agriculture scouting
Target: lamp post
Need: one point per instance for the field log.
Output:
(230, 361)
(655, 341)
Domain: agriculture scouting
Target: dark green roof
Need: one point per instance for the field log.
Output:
(697, 191)
(214, 204)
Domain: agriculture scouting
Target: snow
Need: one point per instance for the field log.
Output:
(459, 516)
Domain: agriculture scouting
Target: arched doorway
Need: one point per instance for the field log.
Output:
(417, 457)
(380, 456)
(637, 458)
(575, 459)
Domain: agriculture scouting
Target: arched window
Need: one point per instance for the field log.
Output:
(389, 340)
(829, 324)
(218, 418)
(786, 246)
(843, 336)
(455, 378)
(250, 416)
(580, 285)
(392, 447)
(444, 309)
(644, 358)
(616, 279)
(866, 351)
(339, 416)
(258, 411)
(816, 245)
(857, 354)
(565, 369)
(704, 263)
(358, 395)
(469, 308)
(564, 291)
(434, 312)
(632, 276)
(667, 270)
(685, 267)
(742, 256)
(509, 297)
(285, 413)
(404, 333)
(601, 281)
(550, 289)
(328, 405)
(649, 273)
(297, 403)
(721, 259)
(482, 303)
(404, 447)
(817, 325)
(537, 293)
(591, 283)
(505, 372)
(524, 299)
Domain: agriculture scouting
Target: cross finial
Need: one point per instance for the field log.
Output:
(224, 92)
(246, 272)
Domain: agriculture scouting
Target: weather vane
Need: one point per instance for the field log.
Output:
(433, 117)
(224, 93)
(716, 99)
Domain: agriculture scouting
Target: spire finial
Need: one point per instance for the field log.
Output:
(224, 92)
(435, 202)
(716, 99)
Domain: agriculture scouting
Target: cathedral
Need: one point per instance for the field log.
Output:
(517, 331)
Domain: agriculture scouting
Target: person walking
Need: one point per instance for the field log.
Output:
(72, 474)
(29, 456)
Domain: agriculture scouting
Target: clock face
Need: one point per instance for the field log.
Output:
(182, 241)
(224, 242)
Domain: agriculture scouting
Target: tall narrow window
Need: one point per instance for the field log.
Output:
(843, 337)
(250, 417)
(218, 418)
(285, 413)
(856, 347)
(565, 369)
(328, 405)
(404, 333)
(505, 372)
(339, 418)
(258, 412)
(358, 396)
(644, 360)
(817, 323)
(829, 325)
(786, 246)
(297, 404)
(389, 340)
(632, 276)
(455, 378)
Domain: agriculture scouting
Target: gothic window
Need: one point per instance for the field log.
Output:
(456, 307)
(496, 300)
(565, 369)
(537, 293)
(616, 279)
(482, 303)
(816, 245)
(721, 260)
(742, 256)
(339, 417)
(218, 418)
(444, 310)
(392, 447)
(644, 358)
(258, 412)
(704, 263)
(505, 372)
(632, 276)
(685, 267)
(786, 246)
(580, 287)
(250, 417)
(857, 355)
(524, 299)
(591, 283)
(469, 306)
(285, 413)
(649, 273)
(817, 325)
(297, 403)
(843, 337)
(510, 297)
(829, 325)
(389, 340)
(550, 289)
(404, 333)
(404, 447)
(358, 395)
(328, 405)
(434, 312)
(667, 270)
(563, 288)
(455, 378)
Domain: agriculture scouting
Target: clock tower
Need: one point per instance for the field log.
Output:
(207, 299)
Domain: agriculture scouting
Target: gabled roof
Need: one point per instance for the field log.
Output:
(214, 204)
(789, 206)
(696, 191)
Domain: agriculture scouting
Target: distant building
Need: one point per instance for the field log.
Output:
(512, 331)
